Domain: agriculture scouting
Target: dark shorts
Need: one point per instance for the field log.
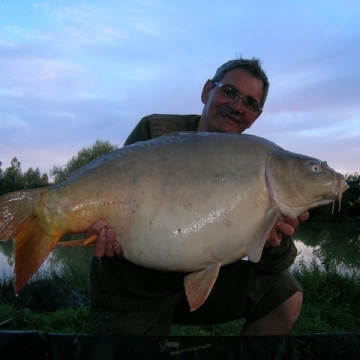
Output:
(130, 300)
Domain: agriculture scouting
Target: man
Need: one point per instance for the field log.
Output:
(131, 300)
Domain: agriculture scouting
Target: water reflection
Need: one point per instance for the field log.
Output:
(339, 242)
(72, 259)
(336, 241)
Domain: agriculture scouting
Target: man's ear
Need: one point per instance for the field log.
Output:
(206, 92)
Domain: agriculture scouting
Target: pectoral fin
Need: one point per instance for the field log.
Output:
(256, 245)
(199, 284)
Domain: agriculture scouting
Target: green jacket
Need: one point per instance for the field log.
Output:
(155, 125)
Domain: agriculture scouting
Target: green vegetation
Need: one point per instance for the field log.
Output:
(84, 156)
(70, 320)
(331, 297)
(63, 321)
(330, 305)
(12, 178)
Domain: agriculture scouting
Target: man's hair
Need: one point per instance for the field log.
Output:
(252, 66)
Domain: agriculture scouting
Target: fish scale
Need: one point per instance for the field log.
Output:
(185, 202)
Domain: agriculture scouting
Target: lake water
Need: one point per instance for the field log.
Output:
(338, 242)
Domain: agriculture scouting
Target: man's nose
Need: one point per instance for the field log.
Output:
(238, 105)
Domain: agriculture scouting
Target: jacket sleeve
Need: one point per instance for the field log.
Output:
(141, 132)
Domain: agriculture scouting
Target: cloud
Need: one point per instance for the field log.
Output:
(72, 72)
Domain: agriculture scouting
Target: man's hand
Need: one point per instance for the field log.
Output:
(106, 243)
(284, 227)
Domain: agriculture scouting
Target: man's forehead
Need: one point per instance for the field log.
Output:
(243, 81)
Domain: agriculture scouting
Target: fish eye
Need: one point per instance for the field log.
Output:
(314, 167)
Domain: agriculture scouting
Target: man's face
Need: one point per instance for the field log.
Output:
(225, 115)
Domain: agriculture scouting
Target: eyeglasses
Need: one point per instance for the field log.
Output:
(230, 93)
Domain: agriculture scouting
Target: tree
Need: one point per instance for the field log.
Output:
(34, 179)
(352, 196)
(12, 178)
(84, 156)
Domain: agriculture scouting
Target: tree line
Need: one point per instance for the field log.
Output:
(12, 179)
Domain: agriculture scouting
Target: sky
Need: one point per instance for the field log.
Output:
(73, 72)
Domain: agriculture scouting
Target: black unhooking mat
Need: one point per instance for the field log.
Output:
(36, 345)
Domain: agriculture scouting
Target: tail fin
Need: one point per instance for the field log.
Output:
(20, 222)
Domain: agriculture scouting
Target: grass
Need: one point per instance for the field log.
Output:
(331, 297)
(64, 321)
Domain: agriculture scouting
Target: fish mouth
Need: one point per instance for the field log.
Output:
(337, 192)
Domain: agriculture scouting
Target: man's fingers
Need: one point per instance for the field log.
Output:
(286, 228)
(118, 249)
(273, 239)
(110, 242)
(280, 230)
(106, 244)
(96, 228)
(304, 216)
(100, 245)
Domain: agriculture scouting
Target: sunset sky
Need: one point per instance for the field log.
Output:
(72, 72)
